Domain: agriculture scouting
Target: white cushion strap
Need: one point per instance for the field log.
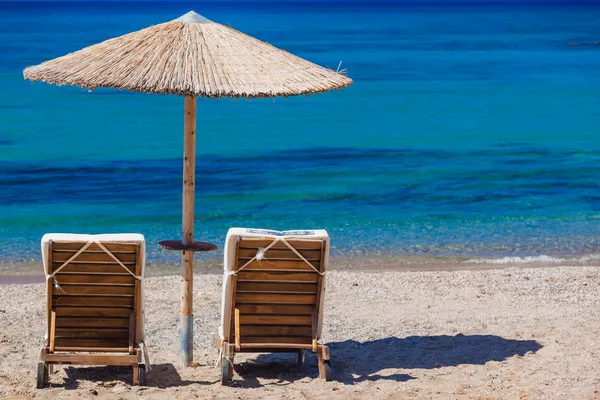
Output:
(301, 256)
(118, 261)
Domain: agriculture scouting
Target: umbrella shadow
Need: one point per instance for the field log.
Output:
(162, 376)
(354, 362)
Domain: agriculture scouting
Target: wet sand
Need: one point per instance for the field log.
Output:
(31, 271)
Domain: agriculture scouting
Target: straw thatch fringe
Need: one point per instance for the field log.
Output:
(193, 59)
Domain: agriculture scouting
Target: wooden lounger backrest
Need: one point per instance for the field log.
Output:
(278, 297)
(96, 300)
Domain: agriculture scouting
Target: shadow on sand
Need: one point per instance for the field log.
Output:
(355, 362)
(162, 376)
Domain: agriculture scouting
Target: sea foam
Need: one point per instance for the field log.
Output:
(517, 260)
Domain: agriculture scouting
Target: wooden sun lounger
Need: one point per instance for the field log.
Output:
(275, 302)
(93, 305)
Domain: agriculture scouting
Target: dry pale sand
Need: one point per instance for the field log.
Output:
(526, 333)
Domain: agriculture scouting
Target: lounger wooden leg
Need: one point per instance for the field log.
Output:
(42, 372)
(42, 375)
(300, 357)
(324, 364)
(230, 354)
(231, 364)
(136, 374)
(321, 366)
(227, 359)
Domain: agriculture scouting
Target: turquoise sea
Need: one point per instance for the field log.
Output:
(470, 130)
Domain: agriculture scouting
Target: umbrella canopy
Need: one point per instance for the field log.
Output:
(192, 57)
(189, 56)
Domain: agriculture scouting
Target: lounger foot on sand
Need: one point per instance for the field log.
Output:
(273, 288)
(94, 303)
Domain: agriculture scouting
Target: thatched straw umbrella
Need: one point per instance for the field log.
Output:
(192, 57)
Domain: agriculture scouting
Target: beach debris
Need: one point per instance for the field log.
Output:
(511, 373)
(94, 392)
(335, 387)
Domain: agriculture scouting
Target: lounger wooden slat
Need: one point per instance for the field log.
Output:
(89, 342)
(284, 309)
(275, 330)
(275, 287)
(276, 319)
(91, 322)
(281, 276)
(125, 258)
(97, 311)
(115, 248)
(106, 269)
(94, 304)
(285, 254)
(93, 349)
(96, 333)
(90, 301)
(94, 278)
(275, 297)
(100, 288)
(281, 265)
(276, 339)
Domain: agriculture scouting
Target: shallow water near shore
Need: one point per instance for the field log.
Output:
(470, 131)
(32, 272)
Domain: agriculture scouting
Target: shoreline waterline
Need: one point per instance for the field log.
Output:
(31, 272)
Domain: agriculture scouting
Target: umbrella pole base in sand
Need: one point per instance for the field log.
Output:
(186, 340)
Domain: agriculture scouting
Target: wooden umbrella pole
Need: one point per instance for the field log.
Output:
(187, 238)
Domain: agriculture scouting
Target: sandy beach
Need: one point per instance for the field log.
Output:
(511, 333)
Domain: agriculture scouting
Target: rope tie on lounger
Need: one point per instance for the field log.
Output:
(84, 248)
(260, 254)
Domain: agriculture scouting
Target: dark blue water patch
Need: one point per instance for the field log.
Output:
(421, 179)
(14, 106)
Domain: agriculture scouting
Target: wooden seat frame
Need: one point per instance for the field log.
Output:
(103, 353)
